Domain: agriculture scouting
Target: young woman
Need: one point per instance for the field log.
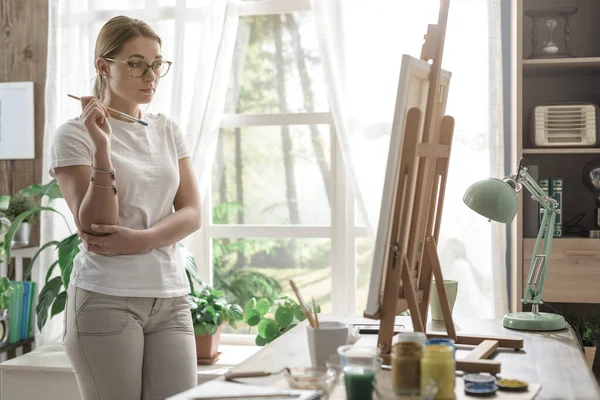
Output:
(132, 192)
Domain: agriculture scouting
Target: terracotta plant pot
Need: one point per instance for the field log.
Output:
(590, 354)
(207, 347)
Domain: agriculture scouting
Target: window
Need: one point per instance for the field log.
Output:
(280, 207)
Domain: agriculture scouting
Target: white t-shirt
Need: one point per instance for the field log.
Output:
(146, 162)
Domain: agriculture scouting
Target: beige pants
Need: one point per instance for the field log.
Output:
(129, 348)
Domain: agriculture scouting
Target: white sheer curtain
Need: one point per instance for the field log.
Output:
(198, 37)
(362, 43)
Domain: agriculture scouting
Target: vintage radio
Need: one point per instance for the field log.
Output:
(565, 125)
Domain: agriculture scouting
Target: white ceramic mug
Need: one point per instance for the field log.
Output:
(324, 341)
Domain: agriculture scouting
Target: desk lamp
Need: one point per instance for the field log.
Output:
(496, 200)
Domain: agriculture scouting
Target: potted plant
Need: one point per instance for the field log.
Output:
(588, 329)
(273, 320)
(210, 311)
(21, 204)
(5, 292)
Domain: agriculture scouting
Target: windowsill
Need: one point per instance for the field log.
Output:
(238, 339)
(231, 355)
(52, 358)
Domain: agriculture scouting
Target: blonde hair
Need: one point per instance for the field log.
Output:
(113, 35)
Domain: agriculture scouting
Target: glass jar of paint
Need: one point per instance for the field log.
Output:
(360, 367)
(406, 363)
(438, 364)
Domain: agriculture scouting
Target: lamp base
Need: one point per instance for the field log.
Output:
(528, 321)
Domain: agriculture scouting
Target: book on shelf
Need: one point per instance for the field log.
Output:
(20, 310)
(556, 191)
(553, 187)
(545, 186)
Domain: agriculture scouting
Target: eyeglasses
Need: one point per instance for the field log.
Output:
(137, 68)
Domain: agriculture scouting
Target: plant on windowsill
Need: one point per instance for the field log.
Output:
(210, 311)
(273, 320)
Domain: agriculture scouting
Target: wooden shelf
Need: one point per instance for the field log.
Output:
(587, 150)
(561, 66)
(13, 346)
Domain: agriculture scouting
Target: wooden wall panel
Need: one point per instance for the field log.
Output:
(23, 52)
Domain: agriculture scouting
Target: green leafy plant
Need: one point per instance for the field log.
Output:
(588, 329)
(5, 292)
(210, 310)
(20, 204)
(272, 319)
(50, 298)
(49, 191)
(240, 284)
(4, 202)
(53, 294)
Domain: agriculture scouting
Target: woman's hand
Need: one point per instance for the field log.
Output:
(95, 117)
(119, 240)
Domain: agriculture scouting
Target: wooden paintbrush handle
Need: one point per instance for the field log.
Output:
(303, 305)
(252, 374)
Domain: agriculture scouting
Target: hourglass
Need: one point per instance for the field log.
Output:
(551, 17)
(549, 46)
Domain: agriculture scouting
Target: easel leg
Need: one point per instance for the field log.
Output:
(476, 360)
(394, 259)
(388, 309)
(431, 258)
(411, 297)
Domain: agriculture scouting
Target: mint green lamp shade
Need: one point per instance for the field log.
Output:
(493, 198)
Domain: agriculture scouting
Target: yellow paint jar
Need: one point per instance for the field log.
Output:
(438, 364)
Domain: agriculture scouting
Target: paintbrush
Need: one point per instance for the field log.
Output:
(303, 305)
(117, 112)
(316, 312)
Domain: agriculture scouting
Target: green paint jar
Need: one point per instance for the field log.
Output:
(360, 366)
(359, 382)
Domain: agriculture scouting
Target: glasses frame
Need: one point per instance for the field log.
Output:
(148, 66)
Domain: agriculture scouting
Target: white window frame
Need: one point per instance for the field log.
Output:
(342, 230)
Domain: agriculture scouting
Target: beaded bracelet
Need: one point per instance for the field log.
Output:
(114, 187)
(110, 171)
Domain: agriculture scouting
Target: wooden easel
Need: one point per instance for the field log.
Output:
(412, 259)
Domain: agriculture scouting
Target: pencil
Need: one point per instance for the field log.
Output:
(303, 305)
(117, 112)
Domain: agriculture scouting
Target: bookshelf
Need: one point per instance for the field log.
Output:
(12, 347)
(15, 272)
(561, 66)
(574, 272)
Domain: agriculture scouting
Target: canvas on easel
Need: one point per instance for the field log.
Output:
(406, 258)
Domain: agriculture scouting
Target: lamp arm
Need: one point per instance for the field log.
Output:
(540, 260)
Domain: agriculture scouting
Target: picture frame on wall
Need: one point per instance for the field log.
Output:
(17, 121)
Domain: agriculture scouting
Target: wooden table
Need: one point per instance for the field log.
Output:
(553, 360)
